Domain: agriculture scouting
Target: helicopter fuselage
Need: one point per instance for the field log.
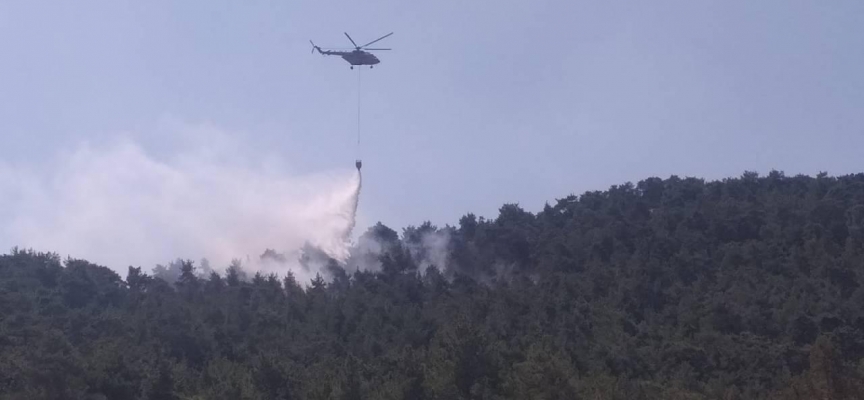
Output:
(359, 57)
(355, 57)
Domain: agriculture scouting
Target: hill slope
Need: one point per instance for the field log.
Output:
(675, 288)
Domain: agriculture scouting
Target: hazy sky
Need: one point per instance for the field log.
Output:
(479, 103)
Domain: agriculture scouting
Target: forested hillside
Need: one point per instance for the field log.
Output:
(746, 288)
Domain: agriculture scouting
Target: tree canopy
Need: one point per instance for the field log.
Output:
(678, 288)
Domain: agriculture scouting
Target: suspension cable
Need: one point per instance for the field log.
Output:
(358, 110)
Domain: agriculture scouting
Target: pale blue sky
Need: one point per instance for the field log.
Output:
(479, 103)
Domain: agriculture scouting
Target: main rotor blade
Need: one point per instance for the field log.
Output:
(352, 40)
(382, 37)
(377, 49)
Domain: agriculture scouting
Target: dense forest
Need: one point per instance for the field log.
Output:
(678, 288)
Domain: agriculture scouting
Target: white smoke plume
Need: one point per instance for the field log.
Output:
(426, 245)
(118, 205)
(433, 249)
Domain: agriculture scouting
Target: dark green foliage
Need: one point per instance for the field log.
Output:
(747, 288)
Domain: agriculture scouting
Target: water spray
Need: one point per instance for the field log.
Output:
(355, 201)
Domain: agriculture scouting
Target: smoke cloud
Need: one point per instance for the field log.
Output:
(426, 246)
(118, 205)
(432, 249)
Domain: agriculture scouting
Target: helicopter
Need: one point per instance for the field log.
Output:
(359, 56)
